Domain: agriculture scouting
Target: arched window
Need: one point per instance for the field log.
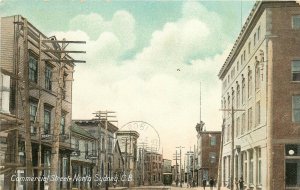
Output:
(257, 77)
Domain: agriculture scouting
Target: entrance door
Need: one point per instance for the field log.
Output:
(291, 174)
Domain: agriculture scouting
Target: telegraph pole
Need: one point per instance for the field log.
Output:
(103, 116)
(180, 147)
(62, 60)
(231, 111)
(220, 156)
(28, 147)
(176, 167)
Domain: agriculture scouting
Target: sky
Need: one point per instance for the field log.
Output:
(145, 60)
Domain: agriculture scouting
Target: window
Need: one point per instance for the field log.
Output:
(251, 167)
(254, 39)
(245, 167)
(47, 162)
(243, 91)
(77, 144)
(296, 108)
(237, 66)
(238, 100)
(233, 73)
(213, 140)
(243, 123)
(33, 72)
(47, 121)
(64, 86)
(258, 152)
(233, 98)
(249, 83)
(237, 132)
(296, 22)
(212, 157)
(292, 165)
(257, 113)
(32, 110)
(244, 57)
(249, 47)
(62, 124)
(227, 133)
(250, 119)
(257, 77)
(296, 70)
(258, 33)
(48, 77)
(86, 149)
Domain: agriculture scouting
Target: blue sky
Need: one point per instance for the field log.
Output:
(135, 50)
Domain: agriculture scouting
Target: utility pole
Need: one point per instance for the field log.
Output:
(232, 111)
(103, 116)
(63, 59)
(176, 168)
(220, 156)
(180, 147)
(28, 147)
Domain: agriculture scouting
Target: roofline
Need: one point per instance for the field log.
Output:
(209, 132)
(96, 121)
(257, 10)
(128, 132)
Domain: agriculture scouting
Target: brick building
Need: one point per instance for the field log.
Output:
(261, 78)
(21, 45)
(153, 168)
(207, 155)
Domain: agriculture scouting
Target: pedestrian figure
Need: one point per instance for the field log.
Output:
(236, 181)
(204, 183)
(211, 183)
(241, 183)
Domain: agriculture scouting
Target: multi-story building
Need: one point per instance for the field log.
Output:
(128, 146)
(207, 155)
(153, 168)
(188, 166)
(30, 117)
(261, 84)
(83, 158)
(109, 161)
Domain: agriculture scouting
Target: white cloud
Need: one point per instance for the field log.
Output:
(149, 87)
(122, 26)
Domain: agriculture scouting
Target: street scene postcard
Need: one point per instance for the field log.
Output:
(149, 94)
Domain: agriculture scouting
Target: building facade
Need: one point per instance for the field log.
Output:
(29, 111)
(208, 152)
(109, 161)
(153, 168)
(83, 158)
(261, 85)
(128, 146)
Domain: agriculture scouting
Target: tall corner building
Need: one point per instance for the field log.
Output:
(261, 84)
